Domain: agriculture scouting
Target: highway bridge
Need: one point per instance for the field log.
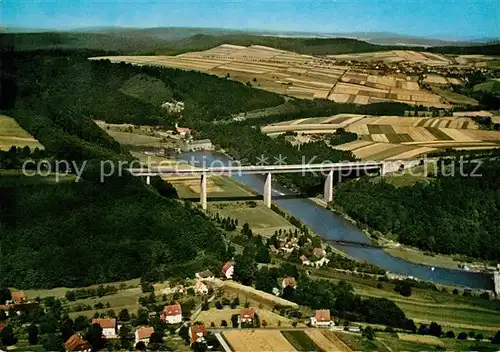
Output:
(326, 169)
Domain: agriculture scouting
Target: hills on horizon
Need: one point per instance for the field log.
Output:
(178, 33)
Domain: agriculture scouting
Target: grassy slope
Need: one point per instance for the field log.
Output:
(491, 86)
(11, 134)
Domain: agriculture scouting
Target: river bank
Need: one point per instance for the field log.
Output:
(412, 254)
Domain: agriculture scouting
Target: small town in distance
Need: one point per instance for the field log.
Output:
(279, 176)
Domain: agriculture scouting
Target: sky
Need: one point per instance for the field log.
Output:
(445, 19)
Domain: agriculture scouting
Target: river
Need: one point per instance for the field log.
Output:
(331, 226)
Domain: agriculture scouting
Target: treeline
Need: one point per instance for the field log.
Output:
(453, 214)
(98, 291)
(14, 157)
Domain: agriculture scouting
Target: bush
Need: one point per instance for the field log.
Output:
(462, 336)
(450, 334)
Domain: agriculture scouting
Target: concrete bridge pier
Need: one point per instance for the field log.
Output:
(148, 180)
(329, 187)
(267, 191)
(383, 168)
(203, 192)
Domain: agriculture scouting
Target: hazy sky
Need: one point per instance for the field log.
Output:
(437, 18)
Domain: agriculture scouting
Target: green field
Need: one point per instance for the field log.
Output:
(493, 85)
(300, 341)
(452, 97)
(11, 134)
(261, 219)
(455, 312)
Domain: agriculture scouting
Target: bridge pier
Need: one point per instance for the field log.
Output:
(267, 191)
(203, 192)
(148, 180)
(328, 194)
(383, 168)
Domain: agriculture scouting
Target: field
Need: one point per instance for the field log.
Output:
(140, 136)
(300, 341)
(218, 187)
(262, 220)
(454, 312)
(394, 56)
(492, 85)
(11, 134)
(253, 296)
(327, 340)
(257, 340)
(393, 137)
(302, 76)
(427, 339)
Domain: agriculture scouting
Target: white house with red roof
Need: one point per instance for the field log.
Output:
(172, 314)
(247, 315)
(228, 270)
(322, 319)
(143, 333)
(108, 326)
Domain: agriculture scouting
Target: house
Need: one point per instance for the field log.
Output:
(200, 288)
(197, 333)
(246, 315)
(289, 281)
(273, 249)
(202, 144)
(2, 326)
(205, 274)
(228, 270)
(322, 319)
(319, 252)
(18, 297)
(108, 326)
(143, 333)
(321, 262)
(172, 314)
(305, 260)
(77, 343)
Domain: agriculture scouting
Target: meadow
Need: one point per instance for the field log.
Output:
(11, 134)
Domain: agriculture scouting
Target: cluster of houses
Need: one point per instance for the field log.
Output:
(172, 314)
(317, 260)
(18, 303)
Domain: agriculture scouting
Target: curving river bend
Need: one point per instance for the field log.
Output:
(332, 226)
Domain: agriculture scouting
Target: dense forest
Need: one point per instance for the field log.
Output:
(452, 214)
(63, 234)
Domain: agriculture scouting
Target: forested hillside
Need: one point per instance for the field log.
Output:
(450, 215)
(169, 42)
(78, 234)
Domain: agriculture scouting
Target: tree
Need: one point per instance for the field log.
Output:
(156, 337)
(124, 315)
(435, 329)
(235, 320)
(5, 294)
(81, 323)
(53, 343)
(288, 292)
(94, 337)
(70, 295)
(369, 333)
(32, 331)
(7, 337)
(140, 346)
(496, 338)
(450, 334)
(462, 336)
(67, 328)
(184, 333)
(404, 288)
(479, 337)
